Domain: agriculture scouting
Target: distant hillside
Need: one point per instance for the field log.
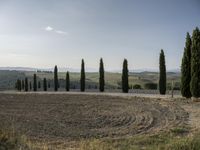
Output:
(113, 80)
(64, 69)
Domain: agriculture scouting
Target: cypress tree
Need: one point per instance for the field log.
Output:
(30, 85)
(101, 76)
(26, 84)
(39, 85)
(125, 85)
(67, 81)
(16, 85)
(45, 84)
(195, 64)
(19, 86)
(82, 80)
(55, 78)
(186, 68)
(22, 84)
(162, 78)
(34, 82)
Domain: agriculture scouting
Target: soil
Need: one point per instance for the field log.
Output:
(73, 116)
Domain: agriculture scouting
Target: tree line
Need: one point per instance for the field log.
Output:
(25, 85)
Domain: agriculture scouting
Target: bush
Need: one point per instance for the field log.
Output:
(137, 86)
(150, 86)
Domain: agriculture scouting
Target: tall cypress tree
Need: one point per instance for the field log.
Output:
(16, 85)
(67, 81)
(34, 82)
(19, 85)
(26, 84)
(30, 85)
(82, 80)
(55, 78)
(125, 85)
(22, 84)
(45, 84)
(195, 64)
(162, 78)
(186, 68)
(101, 76)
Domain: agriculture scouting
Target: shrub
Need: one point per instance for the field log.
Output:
(151, 86)
(137, 86)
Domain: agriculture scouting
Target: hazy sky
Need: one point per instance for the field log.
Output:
(42, 33)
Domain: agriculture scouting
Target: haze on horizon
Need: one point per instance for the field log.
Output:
(41, 34)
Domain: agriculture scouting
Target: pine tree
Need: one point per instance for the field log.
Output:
(82, 80)
(55, 78)
(67, 81)
(30, 86)
(186, 68)
(162, 78)
(101, 76)
(26, 84)
(34, 82)
(45, 84)
(195, 64)
(125, 85)
(22, 84)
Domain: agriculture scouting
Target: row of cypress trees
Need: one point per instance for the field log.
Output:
(125, 75)
(25, 85)
(190, 67)
(125, 84)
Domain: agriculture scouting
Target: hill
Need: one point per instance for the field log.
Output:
(113, 80)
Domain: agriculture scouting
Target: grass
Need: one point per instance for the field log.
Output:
(11, 140)
(180, 130)
(164, 141)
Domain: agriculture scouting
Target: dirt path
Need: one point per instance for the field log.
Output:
(73, 116)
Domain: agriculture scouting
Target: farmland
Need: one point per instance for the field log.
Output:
(64, 120)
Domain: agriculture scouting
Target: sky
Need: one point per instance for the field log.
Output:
(45, 33)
